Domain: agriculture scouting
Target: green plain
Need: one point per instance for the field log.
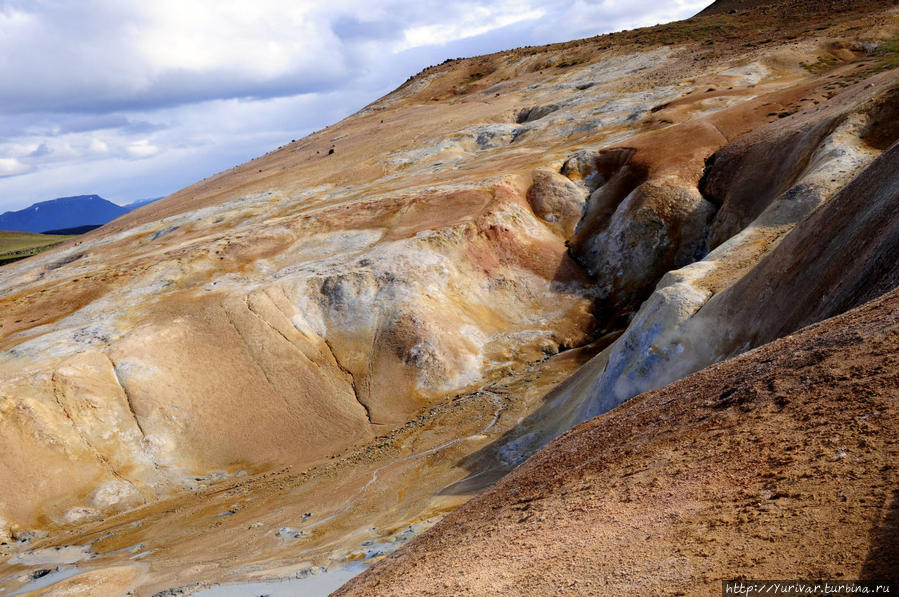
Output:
(19, 245)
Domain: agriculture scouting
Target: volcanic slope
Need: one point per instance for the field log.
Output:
(305, 360)
(780, 463)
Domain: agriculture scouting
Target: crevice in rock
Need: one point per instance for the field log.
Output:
(659, 223)
(128, 400)
(246, 301)
(253, 358)
(703, 248)
(744, 177)
(535, 113)
(882, 128)
(333, 299)
(352, 378)
(287, 317)
(343, 369)
(104, 462)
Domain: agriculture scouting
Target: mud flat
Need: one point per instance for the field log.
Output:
(315, 585)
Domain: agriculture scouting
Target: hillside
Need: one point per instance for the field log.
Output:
(732, 6)
(304, 362)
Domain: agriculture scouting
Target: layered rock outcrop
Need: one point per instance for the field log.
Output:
(749, 290)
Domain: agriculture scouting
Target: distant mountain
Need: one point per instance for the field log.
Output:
(140, 203)
(66, 213)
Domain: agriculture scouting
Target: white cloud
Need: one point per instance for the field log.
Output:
(98, 146)
(477, 22)
(12, 167)
(142, 149)
(263, 38)
(12, 18)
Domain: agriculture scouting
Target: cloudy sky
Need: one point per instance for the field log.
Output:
(137, 98)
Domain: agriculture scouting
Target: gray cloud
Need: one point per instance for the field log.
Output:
(350, 28)
(41, 151)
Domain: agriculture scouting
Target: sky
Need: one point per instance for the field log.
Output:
(132, 99)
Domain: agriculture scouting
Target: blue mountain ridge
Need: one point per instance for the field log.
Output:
(65, 213)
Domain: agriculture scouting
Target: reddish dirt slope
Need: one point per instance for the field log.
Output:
(781, 463)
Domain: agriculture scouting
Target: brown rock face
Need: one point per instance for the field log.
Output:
(557, 200)
(305, 360)
(823, 267)
(796, 262)
(710, 478)
(658, 226)
(746, 176)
